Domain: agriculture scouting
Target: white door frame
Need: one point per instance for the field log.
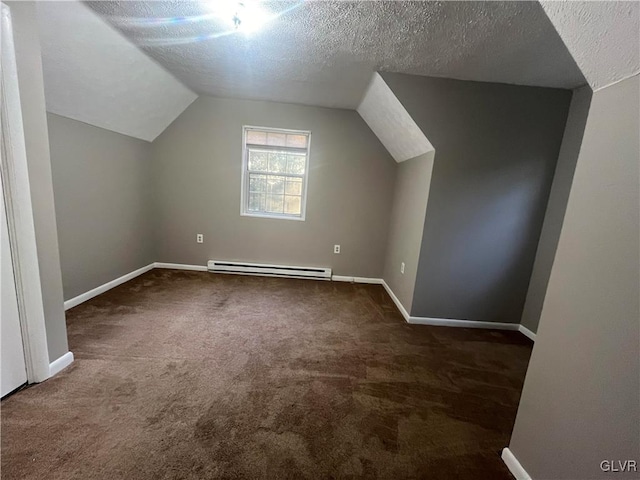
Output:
(17, 192)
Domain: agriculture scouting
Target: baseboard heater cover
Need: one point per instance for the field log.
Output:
(244, 268)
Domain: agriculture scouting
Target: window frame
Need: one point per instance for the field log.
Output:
(244, 190)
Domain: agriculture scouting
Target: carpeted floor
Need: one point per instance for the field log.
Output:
(189, 375)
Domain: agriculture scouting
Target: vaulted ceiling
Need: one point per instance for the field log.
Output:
(324, 52)
(94, 75)
(133, 67)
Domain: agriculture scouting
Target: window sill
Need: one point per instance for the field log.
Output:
(274, 217)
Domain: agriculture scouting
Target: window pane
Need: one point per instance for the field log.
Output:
(258, 160)
(275, 184)
(292, 205)
(256, 202)
(275, 203)
(296, 163)
(257, 138)
(277, 139)
(293, 186)
(257, 183)
(275, 172)
(277, 162)
(299, 141)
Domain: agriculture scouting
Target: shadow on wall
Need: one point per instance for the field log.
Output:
(497, 149)
(505, 221)
(556, 207)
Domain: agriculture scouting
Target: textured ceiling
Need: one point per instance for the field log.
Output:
(603, 37)
(324, 53)
(95, 75)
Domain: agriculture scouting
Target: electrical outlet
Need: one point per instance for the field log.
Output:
(200, 238)
(402, 268)
(336, 249)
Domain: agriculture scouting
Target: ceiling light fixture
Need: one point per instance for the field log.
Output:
(237, 21)
(245, 16)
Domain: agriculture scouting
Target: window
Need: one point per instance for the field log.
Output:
(274, 172)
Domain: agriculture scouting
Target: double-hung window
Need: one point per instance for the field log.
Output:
(274, 172)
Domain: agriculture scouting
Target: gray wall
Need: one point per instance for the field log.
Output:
(496, 152)
(556, 207)
(198, 164)
(103, 186)
(34, 119)
(580, 402)
(406, 226)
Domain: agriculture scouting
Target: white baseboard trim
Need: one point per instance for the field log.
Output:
(75, 301)
(341, 278)
(107, 286)
(452, 322)
(527, 333)
(403, 310)
(60, 363)
(446, 322)
(180, 266)
(513, 465)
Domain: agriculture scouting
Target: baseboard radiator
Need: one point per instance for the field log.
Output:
(243, 268)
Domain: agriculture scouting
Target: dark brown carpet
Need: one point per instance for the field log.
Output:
(194, 375)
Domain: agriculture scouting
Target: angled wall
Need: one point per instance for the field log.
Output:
(579, 404)
(579, 411)
(496, 152)
(407, 144)
(93, 74)
(406, 226)
(602, 37)
(554, 216)
(391, 123)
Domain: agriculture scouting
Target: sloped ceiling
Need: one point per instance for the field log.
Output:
(391, 123)
(319, 53)
(602, 37)
(324, 52)
(94, 75)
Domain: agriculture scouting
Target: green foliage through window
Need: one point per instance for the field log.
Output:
(275, 172)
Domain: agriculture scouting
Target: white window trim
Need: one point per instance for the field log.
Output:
(245, 184)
